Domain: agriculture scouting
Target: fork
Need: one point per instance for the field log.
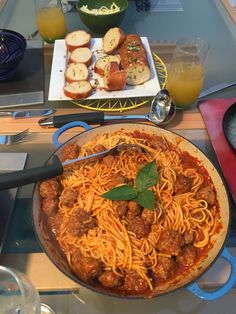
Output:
(114, 151)
(13, 138)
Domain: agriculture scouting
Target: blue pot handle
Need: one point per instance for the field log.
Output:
(67, 127)
(210, 296)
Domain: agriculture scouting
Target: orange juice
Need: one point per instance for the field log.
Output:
(184, 82)
(51, 23)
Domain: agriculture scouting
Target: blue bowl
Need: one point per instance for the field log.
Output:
(12, 49)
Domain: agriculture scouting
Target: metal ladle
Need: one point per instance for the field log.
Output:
(162, 111)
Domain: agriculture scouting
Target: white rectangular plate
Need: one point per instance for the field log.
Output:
(59, 64)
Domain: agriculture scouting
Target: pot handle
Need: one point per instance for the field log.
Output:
(67, 127)
(210, 296)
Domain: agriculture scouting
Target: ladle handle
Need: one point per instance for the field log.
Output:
(24, 177)
(87, 117)
(111, 118)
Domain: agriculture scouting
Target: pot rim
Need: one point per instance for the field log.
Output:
(131, 297)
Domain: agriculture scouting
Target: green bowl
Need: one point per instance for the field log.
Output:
(101, 23)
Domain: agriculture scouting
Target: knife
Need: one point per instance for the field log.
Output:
(27, 113)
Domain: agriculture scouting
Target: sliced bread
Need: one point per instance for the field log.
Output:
(81, 55)
(114, 79)
(101, 63)
(134, 60)
(76, 39)
(113, 39)
(138, 73)
(76, 72)
(78, 90)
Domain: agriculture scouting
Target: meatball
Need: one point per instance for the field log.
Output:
(80, 223)
(170, 242)
(187, 256)
(165, 268)
(188, 237)
(49, 206)
(110, 279)
(158, 142)
(73, 226)
(134, 209)
(50, 189)
(116, 179)
(148, 216)
(206, 193)
(68, 198)
(109, 160)
(70, 151)
(55, 222)
(183, 184)
(86, 268)
(134, 282)
(138, 227)
(98, 148)
(120, 208)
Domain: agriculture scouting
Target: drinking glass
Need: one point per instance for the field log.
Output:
(50, 20)
(18, 295)
(186, 73)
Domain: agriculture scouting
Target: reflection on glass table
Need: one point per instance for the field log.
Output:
(18, 295)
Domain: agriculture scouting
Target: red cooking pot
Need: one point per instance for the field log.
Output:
(53, 167)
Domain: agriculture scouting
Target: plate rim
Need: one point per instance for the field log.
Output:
(56, 78)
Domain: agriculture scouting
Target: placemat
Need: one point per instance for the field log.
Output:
(212, 112)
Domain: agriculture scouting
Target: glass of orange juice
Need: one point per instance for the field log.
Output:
(50, 20)
(186, 72)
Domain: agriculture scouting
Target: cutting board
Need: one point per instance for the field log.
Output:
(212, 112)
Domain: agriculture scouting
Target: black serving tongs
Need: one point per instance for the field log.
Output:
(55, 168)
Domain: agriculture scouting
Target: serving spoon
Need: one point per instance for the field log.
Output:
(162, 111)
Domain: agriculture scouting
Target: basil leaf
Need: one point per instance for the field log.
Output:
(147, 176)
(121, 193)
(146, 199)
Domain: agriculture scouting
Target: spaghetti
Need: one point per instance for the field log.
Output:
(103, 10)
(133, 248)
